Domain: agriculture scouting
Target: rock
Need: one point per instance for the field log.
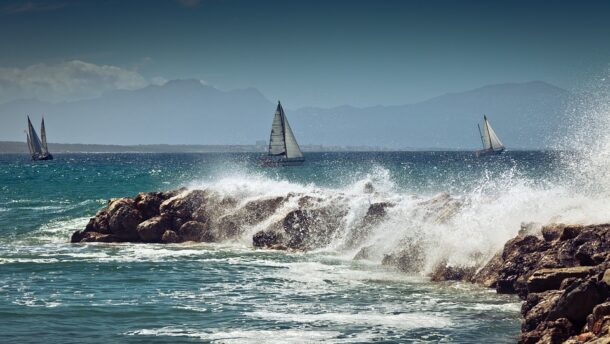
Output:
(123, 218)
(148, 203)
(570, 232)
(552, 232)
(99, 237)
(547, 279)
(195, 231)
(409, 259)
(183, 205)
(267, 239)
(443, 272)
(597, 317)
(152, 229)
(577, 302)
(488, 275)
(536, 308)
(169, 236)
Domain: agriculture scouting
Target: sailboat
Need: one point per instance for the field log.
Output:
(38, 149)
(283, 147)
(491, 142)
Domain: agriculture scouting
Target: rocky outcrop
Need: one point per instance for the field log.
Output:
(563, 276)
(206, 216)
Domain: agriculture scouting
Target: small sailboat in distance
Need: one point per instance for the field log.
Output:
(491, 142)
(283, 147)
(39, 150)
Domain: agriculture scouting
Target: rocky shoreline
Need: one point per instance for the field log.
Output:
(561, 272)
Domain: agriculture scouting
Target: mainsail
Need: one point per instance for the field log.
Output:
(282, 141)
(33, 141)
(43, 135)
(489, 137)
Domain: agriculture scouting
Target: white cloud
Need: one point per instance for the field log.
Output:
(66, 81)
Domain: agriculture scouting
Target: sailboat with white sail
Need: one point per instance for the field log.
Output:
(39, 150)
(283, 147)
(491, 142)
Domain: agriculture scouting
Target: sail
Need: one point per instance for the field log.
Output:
(492, 140)
(43, 136)
(277, 144)
(30, 148)
(36, 145)
(292, 147)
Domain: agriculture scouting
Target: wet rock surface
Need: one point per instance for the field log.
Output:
(561, 272)
(563, 276)
(206, 216)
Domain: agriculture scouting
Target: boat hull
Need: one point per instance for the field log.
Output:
(488, 152)
(47, 156)
(279, 162)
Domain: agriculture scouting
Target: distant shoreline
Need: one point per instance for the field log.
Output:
(15, 147)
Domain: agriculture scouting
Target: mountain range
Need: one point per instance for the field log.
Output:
(525, 116)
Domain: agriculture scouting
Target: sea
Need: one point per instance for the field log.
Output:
(52, 291)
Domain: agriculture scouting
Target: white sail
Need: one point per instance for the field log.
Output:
(292, 147)
(36, 145)
(43, 135)
(277, 144)
(490, 139)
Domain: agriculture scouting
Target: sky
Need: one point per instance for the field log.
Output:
(307, 53)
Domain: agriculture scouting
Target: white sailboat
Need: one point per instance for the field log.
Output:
(39, 150)
(283, 147)
(491, 142)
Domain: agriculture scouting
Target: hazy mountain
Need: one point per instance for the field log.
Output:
(188, 112)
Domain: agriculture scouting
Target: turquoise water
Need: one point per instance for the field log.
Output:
(56, 292)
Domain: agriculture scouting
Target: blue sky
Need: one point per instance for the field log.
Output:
(308, 53)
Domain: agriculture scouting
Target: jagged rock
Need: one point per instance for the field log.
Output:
(148, 203)
(169, 236)
(599, 318)
(409, 259)
(443, 272)
(552, 232)
(311, 228)
(267, 239)
(152, 229)
(570, 232)
(548, 279)
(577, 302)
(195, 231)
(488, 275)
(123, 218)
(183, 205)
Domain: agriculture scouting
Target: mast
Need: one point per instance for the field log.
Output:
(481, 134)
(34, 140)
(43, 135)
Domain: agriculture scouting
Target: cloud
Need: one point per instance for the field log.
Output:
(31, 6)
(66, 81)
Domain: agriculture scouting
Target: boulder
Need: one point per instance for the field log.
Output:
(152, 229)
(548, 279)
(169, 236)
(148, 203)
(123, 219)
(267, 239)
(195, 231)
(577, 302)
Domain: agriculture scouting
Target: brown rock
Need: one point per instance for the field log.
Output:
(148, 203)
(577, 302)
(123, 219)
(267, 239)
(552, 232)
(547, 279)
(170, 236)
(152, 229)
(195, 231)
